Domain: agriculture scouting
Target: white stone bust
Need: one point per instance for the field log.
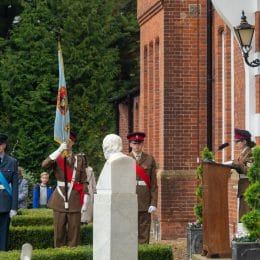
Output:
(118, 173)
(112, 147)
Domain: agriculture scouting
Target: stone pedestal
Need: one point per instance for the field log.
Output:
(115, 211)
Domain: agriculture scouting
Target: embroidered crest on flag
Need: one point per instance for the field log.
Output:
(62, 100)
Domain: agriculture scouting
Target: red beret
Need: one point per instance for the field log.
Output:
(136, 137)
(242, 135)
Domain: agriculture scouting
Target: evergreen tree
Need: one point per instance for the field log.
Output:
(92, 35)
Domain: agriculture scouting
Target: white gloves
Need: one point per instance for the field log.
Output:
(56, 154)
(85, 203)
(12, 213)
(152, 209)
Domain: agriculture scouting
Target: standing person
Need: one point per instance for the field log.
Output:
(42, 192)
(244, 145)
(146, 185)
(22, 190)
(8, 196)
(87, 216)
(69, 198)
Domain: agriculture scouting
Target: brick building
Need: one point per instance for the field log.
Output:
(194, 90)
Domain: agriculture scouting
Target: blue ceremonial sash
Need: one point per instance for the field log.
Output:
(5, 184)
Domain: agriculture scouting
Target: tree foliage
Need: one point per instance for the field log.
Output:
(100, 50)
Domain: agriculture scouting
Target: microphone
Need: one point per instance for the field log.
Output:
(222, 146)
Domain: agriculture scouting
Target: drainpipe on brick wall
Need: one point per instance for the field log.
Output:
(117, 118)
(130, 103)
(209, 74)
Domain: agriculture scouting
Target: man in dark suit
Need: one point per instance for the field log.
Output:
(146, 185)
(8, 195)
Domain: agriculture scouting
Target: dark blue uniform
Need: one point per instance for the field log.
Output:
(9, 169)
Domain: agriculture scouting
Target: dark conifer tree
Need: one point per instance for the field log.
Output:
(100, 49)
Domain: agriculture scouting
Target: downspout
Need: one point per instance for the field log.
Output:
(130, 116)
(116, 108)
(130, 113)
(209, 74)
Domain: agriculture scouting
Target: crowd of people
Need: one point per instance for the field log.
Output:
(73, 197)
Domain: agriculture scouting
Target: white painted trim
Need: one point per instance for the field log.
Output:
(230, 11)
(223, 81)
(257, 69)
(256, 131)
(232, 98)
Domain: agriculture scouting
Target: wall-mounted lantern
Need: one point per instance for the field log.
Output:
(244, 33)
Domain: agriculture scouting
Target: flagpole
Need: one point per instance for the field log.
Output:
(65, 154)
(62, 125)
(66, 183)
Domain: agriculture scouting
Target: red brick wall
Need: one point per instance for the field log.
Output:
(123, 125)
(184, 84)
(222, 73)
(172, 107)
(185, 112)
(172, 104)
(150, 105)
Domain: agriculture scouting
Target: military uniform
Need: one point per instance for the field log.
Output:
(64, 235)
(87, 216)
(241, 166)
(9, 170)
(146, 196)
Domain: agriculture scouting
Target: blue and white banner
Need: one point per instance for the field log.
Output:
(62, 119)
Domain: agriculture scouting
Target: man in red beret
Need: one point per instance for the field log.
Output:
(146, 185)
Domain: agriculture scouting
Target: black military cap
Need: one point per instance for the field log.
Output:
(136, 137)
(3, 138)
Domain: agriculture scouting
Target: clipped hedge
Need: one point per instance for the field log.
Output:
(155, 252)
(42, 236)
(35, 212)
(33, 217)
(145, 252)
(35, 226)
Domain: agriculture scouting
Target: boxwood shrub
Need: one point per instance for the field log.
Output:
(42, 236)
(145, 252)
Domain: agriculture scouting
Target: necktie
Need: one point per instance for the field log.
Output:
(0, 160)
(138, 157)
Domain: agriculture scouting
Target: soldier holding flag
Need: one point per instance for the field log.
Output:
(67, 211)
(70, 197)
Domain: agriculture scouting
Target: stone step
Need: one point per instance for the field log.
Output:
(200, 257)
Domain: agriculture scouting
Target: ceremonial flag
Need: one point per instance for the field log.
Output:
(62, 119)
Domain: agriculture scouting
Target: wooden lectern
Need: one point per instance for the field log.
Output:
(215, 210)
